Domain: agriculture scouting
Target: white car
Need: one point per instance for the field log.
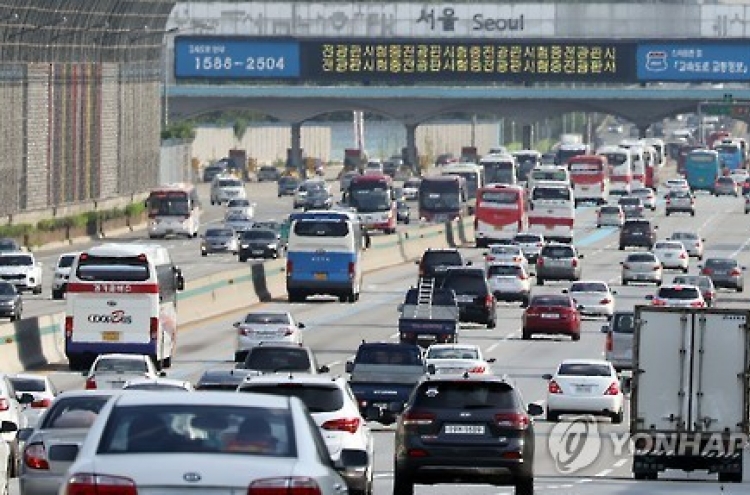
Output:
(692, 242)
(593, 298)
(739, 175)
(225, 188)
(509, 282)
(334, 409)
(41, 388)
(677, 185)
(672, 254)
(505, 253)
(678, 296)
(531, 244)
(648, 198)
(585, 386)
(12, 413)
(610, 216)
(207, 442)
(242, 205)
(62, 272)
(238, 221)
(159, 384)
(457, 359)
(112, 371)
(22, 269)
(266, 326)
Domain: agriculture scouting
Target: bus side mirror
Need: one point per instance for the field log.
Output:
(180, 282)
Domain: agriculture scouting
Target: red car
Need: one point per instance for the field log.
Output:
(552, 314)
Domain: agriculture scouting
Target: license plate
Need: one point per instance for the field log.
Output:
(464, 299)
(550, 315)
(464, 429)
(583, 388)
(321, 276)
(111, 336)
(257, 251)
(422, 336)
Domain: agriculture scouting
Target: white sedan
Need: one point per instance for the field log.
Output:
(677, 185)
(266, 326)
(584, 386)
(111, 371)
(456, 358)
(241, 205)
(672, 254)
(505, 253)
(593, 298)
(648, 198)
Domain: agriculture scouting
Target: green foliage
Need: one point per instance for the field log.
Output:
(239, 128)
(135, 209)
(181, 130)
(15, 230)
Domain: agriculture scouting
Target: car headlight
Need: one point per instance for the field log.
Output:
(271, 246)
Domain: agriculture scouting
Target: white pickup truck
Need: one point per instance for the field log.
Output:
(22, 270)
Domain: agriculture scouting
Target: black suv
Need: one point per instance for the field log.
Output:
(637, 232)
(474, 429)
(274, 358)
(476, 302)
(259, 243)
(435, 262)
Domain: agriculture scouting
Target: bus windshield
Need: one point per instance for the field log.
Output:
(615, 159)
(321, 228)
(499, 172)
(370, 200)
(173, 203)
(472, 181)
(551, 193)
(554, 175)
(113, 269)
(500, 197)
(440, 201)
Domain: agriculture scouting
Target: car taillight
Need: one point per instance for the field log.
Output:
(352, 270)
(4, 404)
(417, 419)
(68, 327)
(477, 369)
(608, 344)
(41, 403)
(342, 424)
(516, 421)
(489, 258)
(574, 263)
(287, 331)
(489, 301)
(35, 456)
(517, 259)
(659, 302)
(614, 389)
(626, 266)
(606, 300)
(683, 256)
(539, 261)
(91, 383)
(154, 328)
(296, 485)
(709, 295)
(735, 273)
(656, 267)
(553, 387)
(244, 331)
(290, 266)
(99, 484)
(697, 304)
(522, 276)
(706, 271)
(669, 201)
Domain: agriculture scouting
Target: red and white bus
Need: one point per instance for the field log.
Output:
(500, 213)
(589, 175)
(638, 160)
(552, 211)
(174, 209)
(373, 198)
(620, 169)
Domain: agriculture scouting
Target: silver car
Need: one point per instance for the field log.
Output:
(610, 216)
(693, 243)
(725, 273)
(530, 243)
(618, 348)
(642, 266)
(219, 240)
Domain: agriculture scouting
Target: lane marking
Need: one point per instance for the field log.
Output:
(603, 473)
(741, 248)
(492, 347)
(620, 463)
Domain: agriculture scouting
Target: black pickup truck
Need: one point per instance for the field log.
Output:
(429, 321)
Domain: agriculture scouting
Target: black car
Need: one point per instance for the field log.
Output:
(465, 429)
(287, 185)
(318, 199)
(259, 243)
(476, 302)
(213, 170)
(435, 262)
(11, 304)
(637, 232)
(403, 212)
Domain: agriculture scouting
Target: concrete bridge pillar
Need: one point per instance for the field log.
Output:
(295, 153)
(642, 130)
(527, 136)
(412, 157)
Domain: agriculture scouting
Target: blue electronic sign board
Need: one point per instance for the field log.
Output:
(201, 57)
(693, 61)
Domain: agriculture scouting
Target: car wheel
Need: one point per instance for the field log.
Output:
(617, 417)
(685, 270)
(15, 458)
(525, 485)
(692, 213)
(37, 289)
(667, 213)
(492, 323)
(740, 288)
(553, 416)
(402, 483)
(624, 281)
(295, 296)
(239, 356)
(539, 280)
(526, 335)
(16, 316)
(622, 247)
(203, 253)
(575, 337)
(598, 226)
(57, 294)
(658, 283)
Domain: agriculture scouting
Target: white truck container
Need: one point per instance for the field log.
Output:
(689, 399)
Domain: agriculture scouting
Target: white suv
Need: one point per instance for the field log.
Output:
(22, 270)
(678, 295)
(62, 272)
(334, 409)
(11, 410)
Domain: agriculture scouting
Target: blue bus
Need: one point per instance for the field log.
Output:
(702, 168)
(731, 155)
(324, 255)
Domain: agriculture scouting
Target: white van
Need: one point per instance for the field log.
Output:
(62, 272)
(226, 187)
(374, 167)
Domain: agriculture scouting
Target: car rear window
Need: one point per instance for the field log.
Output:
(609, 210)
(388, 355)
(725, 180)
(668, 245)
(268, 318)
(558, 252)
(465, 395)
(588, 287)
(584, 369)
(550, 300)
(642, 258)
(442, 258)
(630, 201)
(703, 282)
(640, 227)
(465, 283)
(720, 264)
(623, 323)
(526, 239)
(684, 235)
(28, 384)
(678, 293)
(500, 270)
(121, 366)
(317, 398)
(268, 359)
(72, 412)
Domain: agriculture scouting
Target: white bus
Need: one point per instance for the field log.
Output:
(122, 298)
(552, 211)
(620, 169)
(638, 161)
(473, 174)
(174, 209)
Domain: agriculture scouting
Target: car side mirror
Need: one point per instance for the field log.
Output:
(162, 374)
(565, 291)
(180, 282)
(349, 367)
(85, 373)
(491, 360)
(700, 266)
(547, 376)
(301, 325)
(605, 328)
(8, 426)
(26, 398)
(614, 292)
(580, 256)
(24, 434)
(485, 253)
(352, 459)
(535, 409)
(703, 240)
(400, 307)
(236, 324)
(469, 263)
(324, 369)
(416, 262)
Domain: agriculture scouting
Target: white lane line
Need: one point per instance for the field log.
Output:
(334, 363)
(492, 347)
(393, 336)
(741, 248)
(584, 480)
(620, 463)
(566, 486)
(603, 473)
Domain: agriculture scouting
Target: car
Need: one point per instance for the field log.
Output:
(468, 428)
(740, 175)
(374, 167)
(10, 245)
(287, 185)
(11, 302)
(300, 195)
(268, 173)
(111, 371)
(63, 427)
(615, 128)
(11, 410)
(726, 186)
(551, 314)
(226, 379)
(411, 188)
(22, 269)
(456, 359)
(62, 272)
(241, 205)
(703, 282)
(392, 165)
(618, 347)
(204, 442)
(476, 302)
(585, 386)
(319, 198)
(530, 243)
(677, 185)
(642, 266)
(226, 187)
(238, 221)
(678, 296)
(746, 197)
(692, 242)
(558, 261)
(42, 391)
(680, 202)
(630, 202)
(672, 254)
(213, 170)
(725, 273)
(6, 460)
(509, 282)
(435, 262)
(219, 240)
(275, 357)
(638, 233)
(610, 216)
(648, 198)
(504, 253)
(334, 409)
(592, 298)
(159, 384)
(265, 326)
(403, 212)
(259, 243)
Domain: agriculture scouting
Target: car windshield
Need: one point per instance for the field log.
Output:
(16, 260)
(8, 245)
(258, 234)
(268, 318)
(121, 366)
(317, 398)
(465, 395)
(678, 293)
(66, 261)
(584, 369)
(588, 287)
(527, 239)
(7, 289)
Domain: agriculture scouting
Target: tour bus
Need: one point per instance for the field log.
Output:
(661, 150)
(174, 209)
(499, 168)
(500, 213)
(473, 174)
(548, 173)
(442, 198)
(122, 298)
(566, 151)
(638, 160)
(527, 161)
(372, 196)
(620, 169)
(702, 168)
(324, 255)
(589, 175)
(730, 154)
(552, 211)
